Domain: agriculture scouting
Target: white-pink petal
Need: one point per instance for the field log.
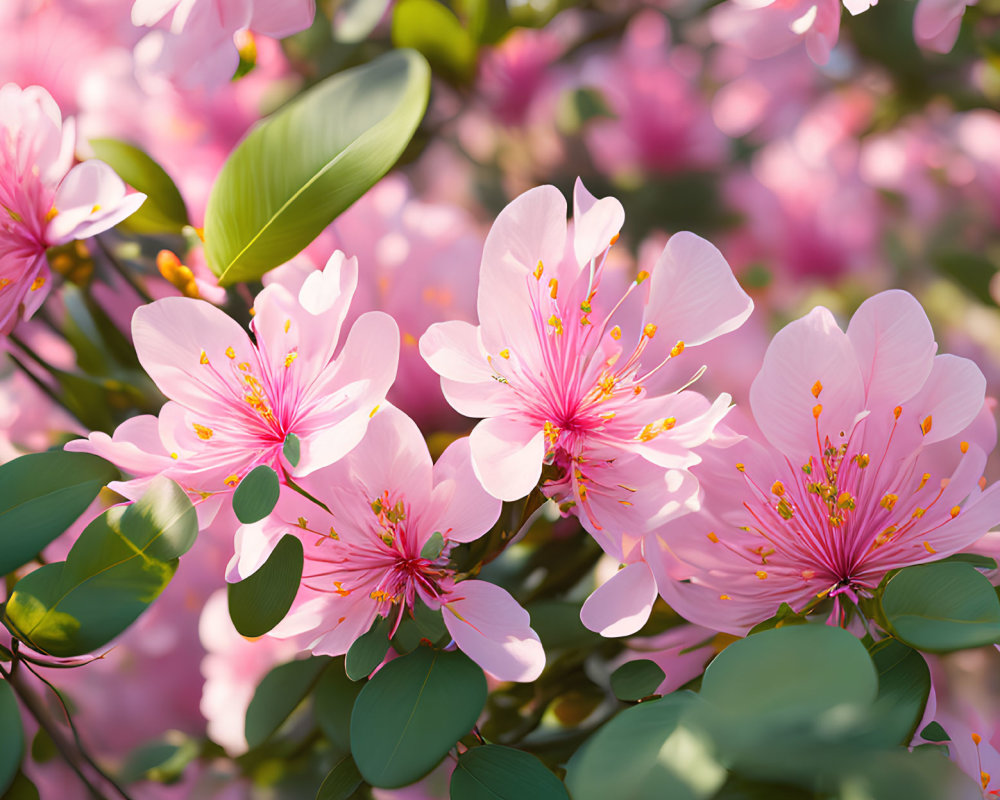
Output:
(467, 511)
(507, 456)
(951, 398)
(595, 223)
(621, 605)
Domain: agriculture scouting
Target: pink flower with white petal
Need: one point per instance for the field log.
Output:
(46, 200)
(551, 369)
(366, 557)
(234, 402)
(871, 458)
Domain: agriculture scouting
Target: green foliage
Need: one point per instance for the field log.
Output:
(904, 683)
(412, 712)
(260, 601)
(333, 702)
(636, 679)
(368, 650)
(163, 210)
(41, 495)
(355, 19)
(11, 736)
(433, 546)
(292, 449)
(432, 29)
(118, 566)
(942, 607)
(342, 781)
(21, 788)
(256, 495)
(161, 761)
(296, 171)
(494, 772)
(279, 694)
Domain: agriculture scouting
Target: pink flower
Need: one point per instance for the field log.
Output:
(366, 558)
(46, 202)
(233, 402)
(936, 23)
(550, 370)
(871, 459)
(765, 28)
(198, 47)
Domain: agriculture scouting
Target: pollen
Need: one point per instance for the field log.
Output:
(929, 549)
(556, 323)
(616, 333)
(955, 511)
(761, 574)
(37, 284)
(96, 208)
(725, 597)
(230, 353)
(713, 537)
(288, 325)
(302, 522)
(203, 431)
(985, 778)
(817, 388)
(741, 467)
(976, 738)
(668, 423)
(846, 500)
(49, 215)
(553, 288)
(643, 275)
(585, 307)
(888, 501)
(613, 239)
(785, 509)
(649, 330)
(677, 349)
(203, 359)
(897, 411)
(982, 482)
(290, 358)
(923, 480)
(817, 410)
(232, 480)
(174, 456)
(778, 488)
(964, 447)
(373, 412)
(505, 353)
(4, 283)
(918, 513)
(863, 460)
(538, 271)
(925, 426)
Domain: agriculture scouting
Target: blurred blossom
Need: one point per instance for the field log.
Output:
(936, 23)
(765, 28)
(871, 459)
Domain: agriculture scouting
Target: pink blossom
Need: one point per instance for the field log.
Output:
(197, 48)
(765, 28)
(549, 369)
(936, 23)
(365, 558)
(870, 458)
(47, 200)
(233, 402)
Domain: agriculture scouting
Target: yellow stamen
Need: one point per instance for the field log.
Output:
(288, 324)
(863, 460)
(553, 287)
(232, 480)
(817, 388)
(303, 522)
(641, 276)
(204, 432)
(955, 511)
(977, 738)
(203, 359)
(174, 456)
(505, 353)
(556, 323)
(985, 779)
(725, 597)
(761, 574)
(897, 411)
(923, 480)
(230, 353)
(37, 284)
(616, 333)
(538, 272)
(778, 488)
(677, 349)
(918, 513)
(614, 239)
(374, 411)
(817, 410)
(964, 447)
(888, 501)
(290, 358)
(713, 538)
(741, 467)
(925, 426)
(808, 574)
(49, 215)
(846, 500)
(649, 330)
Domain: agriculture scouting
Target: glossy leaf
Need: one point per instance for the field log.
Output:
(118, 566)
(333, 702)
(341, 782)
(942, 607)
(260, 601)
(355, 19)
(279, 694)
(292, 449)
(11, 736)
(432, 29)
(433, 546)
(256, 495)
(646, 752)
(163, 210)
(412, 712)
(368, 650)
(41, 495)
(494, 772)
(296, 171)
(636, 679)
(904, 683)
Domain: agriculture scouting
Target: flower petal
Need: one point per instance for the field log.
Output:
(507, 456)
(620, 606)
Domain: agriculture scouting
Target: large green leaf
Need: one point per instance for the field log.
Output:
(368, 650)
(118, 566)
(648, 752)
(412, 712)
(298, 169)
(11, 736)
(432, 28)
(942, 607)
(341, 781)
(904, 683)
(260, 601)
(493, 772)
(279, 694)
(333, 702)
(164, 210)
(40, 496)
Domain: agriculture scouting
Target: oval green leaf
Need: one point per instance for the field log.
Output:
(341, 782)
(260, 601)
(636, 679)
(118, 566)
(279, 694)
(292, 449)
(942, 607)
(368, 650)
(11, 736)
(164, 210)
(647, 752)
(494, 772)
(904, 683)
(256, 495)
(40, 496)
(297, 170)
(412, 712)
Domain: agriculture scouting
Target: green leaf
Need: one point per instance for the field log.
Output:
(636, 679)
(333, 702)
(647, 752)
(942, 607)
(785, 615)
(412, 712)
(279, 694)
(292, 449)
(342, 781)
(978, 561)
(432, 547)
(118, 566)
(296, 171)
(355, 19)
(895, 774)
(493, 772)
(256, 495)
(161, 761)
(432, 29)
(557, 623)
(40, 496)
(933, 732)
(21, 788)
(260, 601)
(11, 736)
(424, 626)
(904, 683)
(164, 210)
(368, 650)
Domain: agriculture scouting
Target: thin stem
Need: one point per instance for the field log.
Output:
(119, 267)
(42, 385)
